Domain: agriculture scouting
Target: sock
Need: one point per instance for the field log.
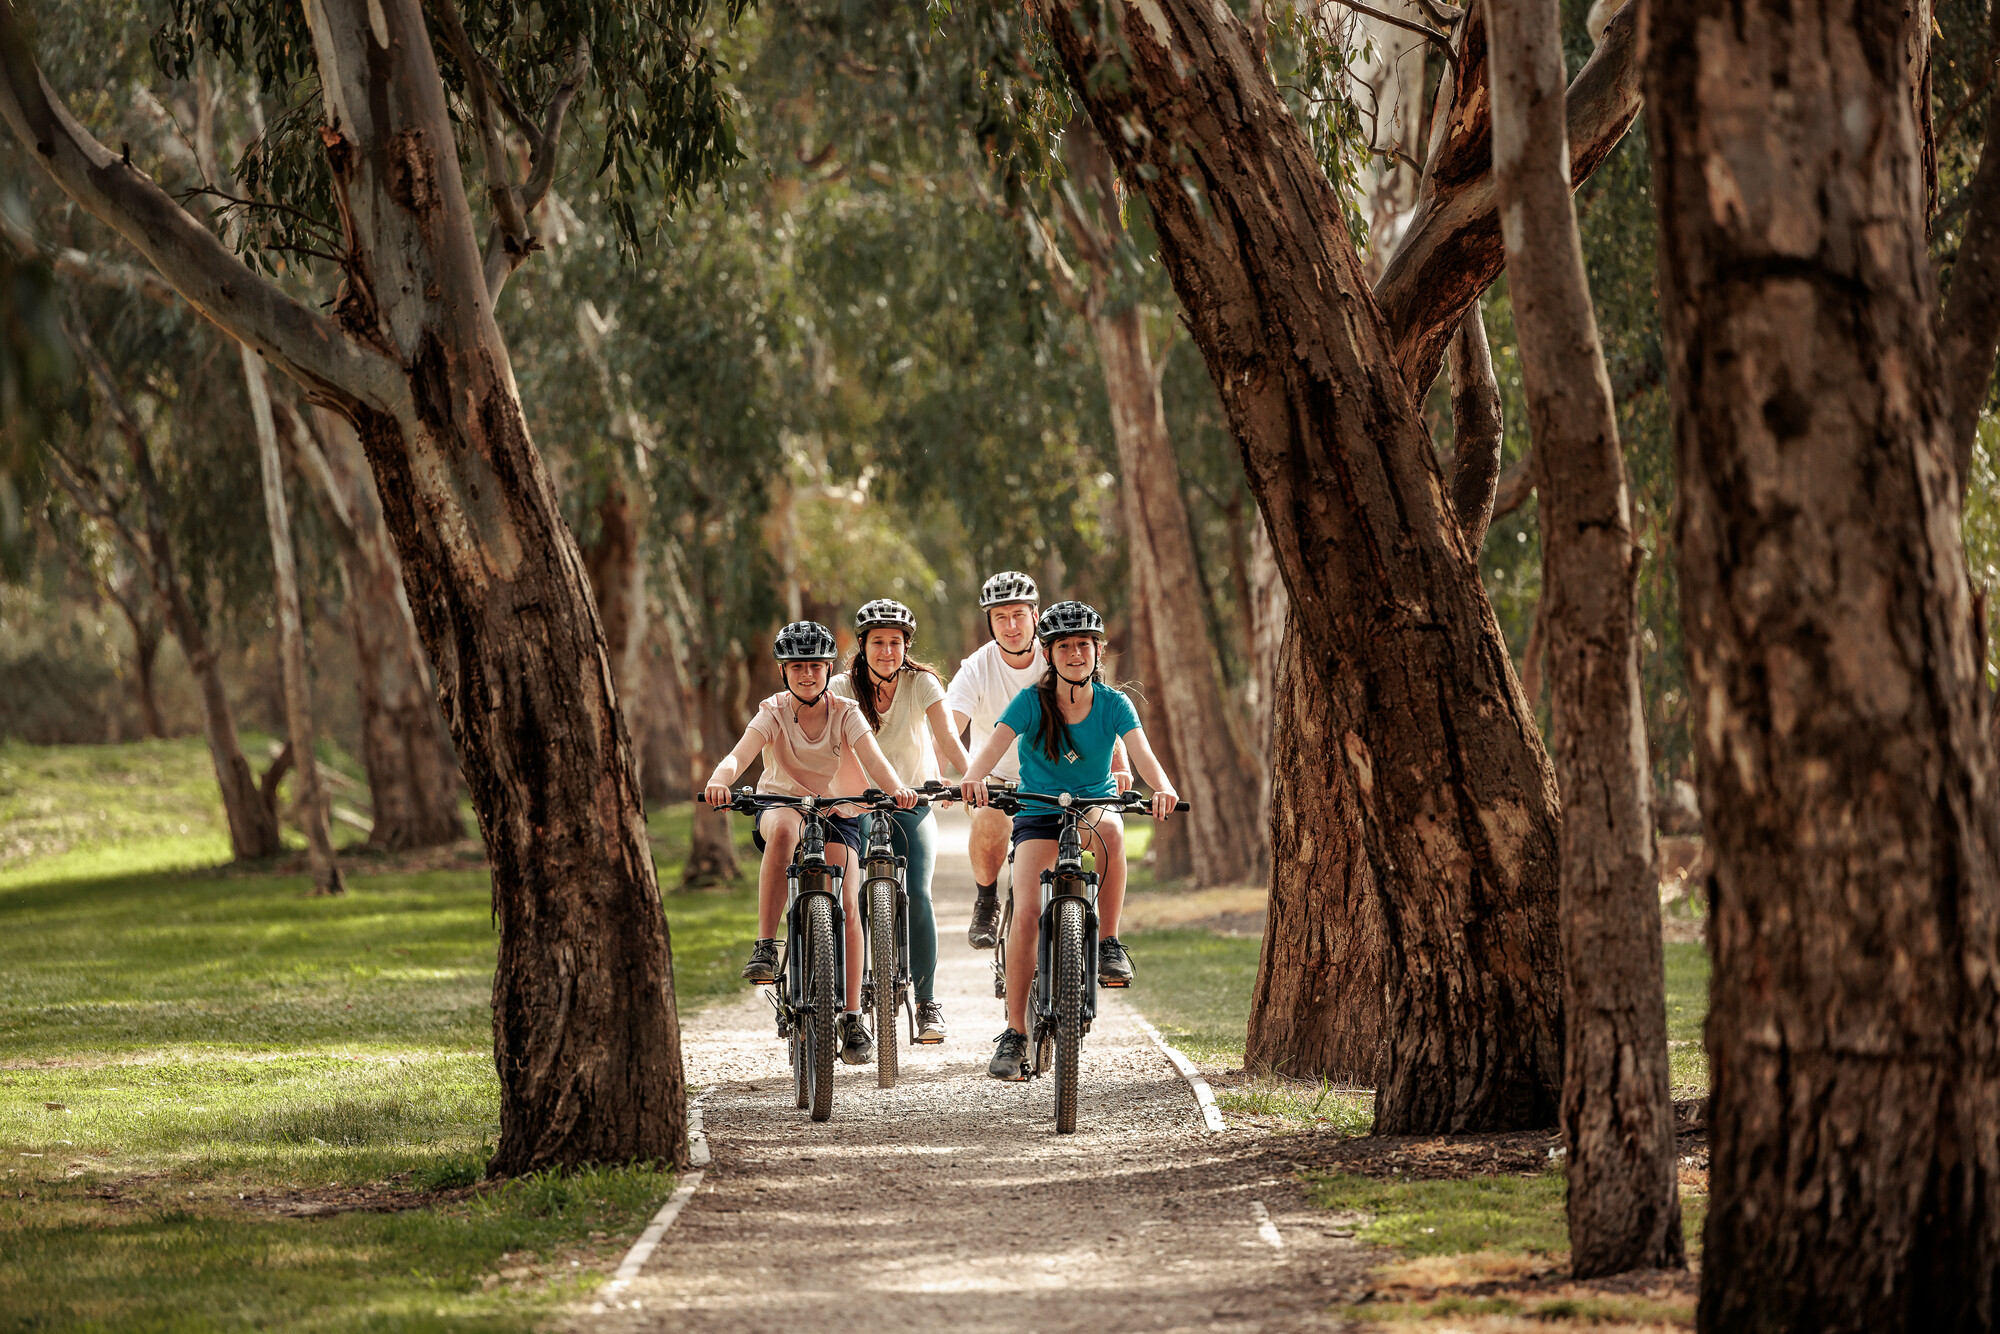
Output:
(853, 1014)
(989, 891)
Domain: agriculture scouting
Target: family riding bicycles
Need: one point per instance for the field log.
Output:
(849, 845)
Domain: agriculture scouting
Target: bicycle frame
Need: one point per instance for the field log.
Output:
(807, 874)
(1066, 880)
(884, 867)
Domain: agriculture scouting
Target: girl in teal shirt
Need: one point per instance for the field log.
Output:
(1066, 727)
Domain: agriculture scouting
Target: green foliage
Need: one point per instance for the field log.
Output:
(658, 118)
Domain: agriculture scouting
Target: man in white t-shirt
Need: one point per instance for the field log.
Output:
(981, 689)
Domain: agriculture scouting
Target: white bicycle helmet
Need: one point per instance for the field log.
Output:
(804, 641)
(885, 613)
(1064, 619)
(1008, 586)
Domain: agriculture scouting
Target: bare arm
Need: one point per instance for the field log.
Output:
(950, 749)
(717, 792)
(990, 754)
(884, 773)
(1148, 764)
(1121, 765)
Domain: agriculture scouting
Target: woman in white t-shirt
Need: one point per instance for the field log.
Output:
(903, 703)
(814, 744)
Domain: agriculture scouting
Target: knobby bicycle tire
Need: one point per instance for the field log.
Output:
(1070, 980)
(882, 958)
(820, 984)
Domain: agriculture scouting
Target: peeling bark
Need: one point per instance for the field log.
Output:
(1845, 763)
(1460, 804)
(1477, 429)
(1618, 1117)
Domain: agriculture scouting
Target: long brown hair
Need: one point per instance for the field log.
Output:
(1053, 733)
(862, 679)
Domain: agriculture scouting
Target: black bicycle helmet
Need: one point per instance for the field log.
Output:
(1064, 619)
(1008, 586)
(885, 613)
(803, 641)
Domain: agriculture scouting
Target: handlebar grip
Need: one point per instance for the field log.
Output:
(1182, 806)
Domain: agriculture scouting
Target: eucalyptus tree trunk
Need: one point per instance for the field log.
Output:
(1317, 1010)
(1845, 765)
(292, 673)
(1169, 851)
(412, 771)
(616, 567)
(585, 1035)
(1459, 802)
(1618, 1116)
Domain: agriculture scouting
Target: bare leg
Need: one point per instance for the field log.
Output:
(1110, 872)
(781, 837)
(987, 845)
(1030, 860)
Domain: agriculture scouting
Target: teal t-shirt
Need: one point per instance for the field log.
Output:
(1085, 769)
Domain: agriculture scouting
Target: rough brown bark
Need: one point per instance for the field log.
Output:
(1969, 330)
(1844, 762)
(1222, 837)
(1452, 249)
(1477, 429)
(1169, 851)
(1460, 804)
(1618, 1117)
(712, 849)
(585, 1035)
(617, 572)
(1317, 1011)
(311, 803)
(412, 771)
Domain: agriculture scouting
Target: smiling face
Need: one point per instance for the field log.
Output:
(806, 678)
(1013, 625)
(1075, 656)
(884, 648)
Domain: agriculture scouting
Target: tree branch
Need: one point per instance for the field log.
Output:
(1441, 41)
(1477, 428)
(243, 303)
(499, 189)
(544, 148)
(1452, 251)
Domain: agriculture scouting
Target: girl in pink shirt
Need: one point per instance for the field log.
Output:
(814, 743)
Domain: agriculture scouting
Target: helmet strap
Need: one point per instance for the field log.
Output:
(805, 703)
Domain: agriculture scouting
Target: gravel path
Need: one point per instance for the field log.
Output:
(949, 1202)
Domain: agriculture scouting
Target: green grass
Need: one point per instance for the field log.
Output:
(176, 1044)
(1687, 1007)
(1511, 1214)
(1195, 987)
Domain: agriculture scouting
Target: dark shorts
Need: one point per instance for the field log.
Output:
(846, 828)
(1028, 828)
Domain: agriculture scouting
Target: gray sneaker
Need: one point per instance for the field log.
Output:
(1010, 1056)
(763, 966)
(856, 1047)
(930, 1022)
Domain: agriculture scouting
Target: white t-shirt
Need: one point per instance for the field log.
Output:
(983, 687)
(905, 733)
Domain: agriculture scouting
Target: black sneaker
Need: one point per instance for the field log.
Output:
(856, 1047)
(985, 931)
(1010, 1056)
(930, 1022)
(763, 966)
(1114, 965)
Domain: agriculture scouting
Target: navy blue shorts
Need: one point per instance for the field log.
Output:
(1027, 828)
(846, 828)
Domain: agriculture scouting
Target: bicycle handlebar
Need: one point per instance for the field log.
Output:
(747, 802)
(1131, 803)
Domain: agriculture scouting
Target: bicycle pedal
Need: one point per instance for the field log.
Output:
(1114, 983)
(927, 1042)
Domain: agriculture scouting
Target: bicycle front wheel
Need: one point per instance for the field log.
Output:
(820, 1039)
(882, 959)
(1070, 979)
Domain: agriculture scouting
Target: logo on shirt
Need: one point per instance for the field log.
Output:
(1070, 756)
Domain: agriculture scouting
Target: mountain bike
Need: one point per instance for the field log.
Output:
(1063, 1004)
(885, 921)
(811, 970)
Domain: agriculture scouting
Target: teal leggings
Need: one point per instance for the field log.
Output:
(915, 837)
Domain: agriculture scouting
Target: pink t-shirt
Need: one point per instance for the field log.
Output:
(822, 767)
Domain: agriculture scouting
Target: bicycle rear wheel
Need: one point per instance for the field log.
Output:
(882, 959)
(1070, 980)
(820, 1040)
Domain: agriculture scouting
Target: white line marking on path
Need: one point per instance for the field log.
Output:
(1265, 1227)
(649, 1240)
(1211, 1115)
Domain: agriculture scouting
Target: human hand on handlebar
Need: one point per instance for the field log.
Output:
(1164, 801)
(717, 794)
(905, 798)
(973, 791)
